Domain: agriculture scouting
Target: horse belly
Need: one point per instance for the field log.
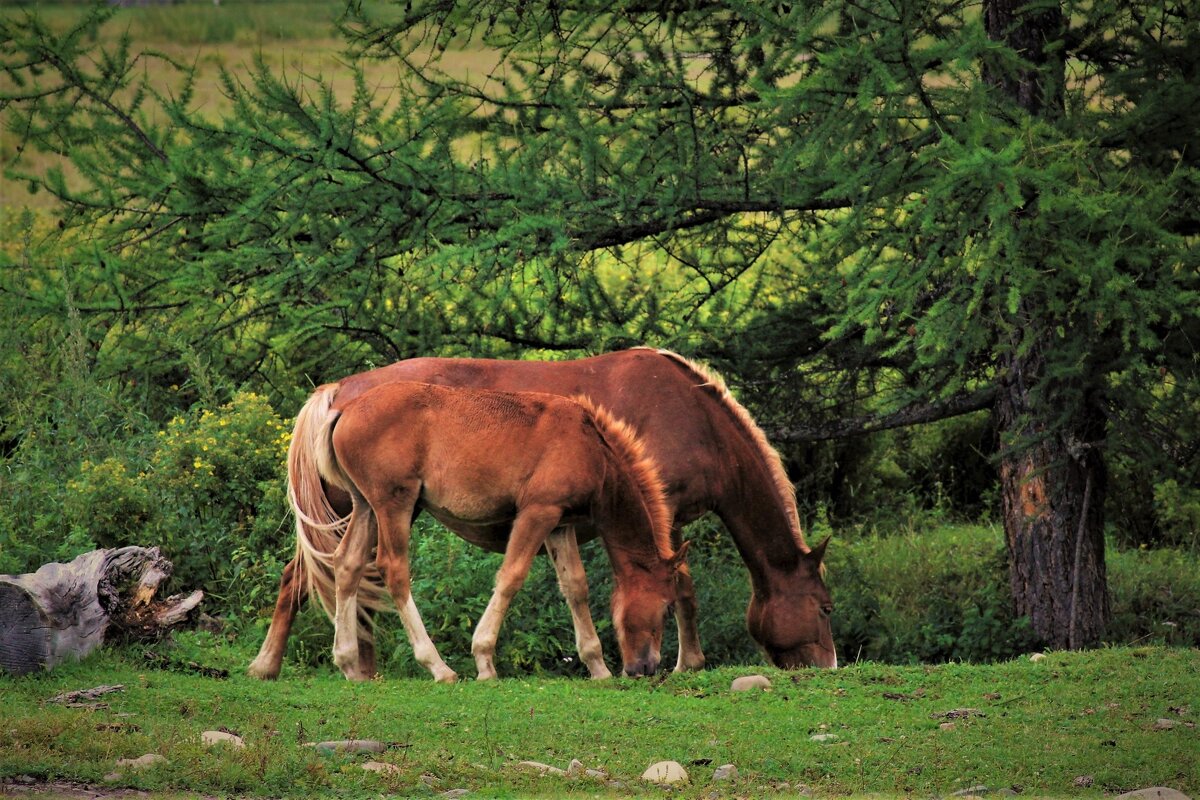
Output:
(488, 533)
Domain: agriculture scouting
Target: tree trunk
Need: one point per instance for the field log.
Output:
(67, 610)
(1052, 476)
(1052, 499)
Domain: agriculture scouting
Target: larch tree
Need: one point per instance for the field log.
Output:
(944, 206)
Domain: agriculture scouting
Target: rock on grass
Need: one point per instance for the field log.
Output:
(665, 772)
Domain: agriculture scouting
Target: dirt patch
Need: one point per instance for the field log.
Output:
(74, 790)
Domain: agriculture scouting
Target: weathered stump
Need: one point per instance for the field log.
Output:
(67, 610)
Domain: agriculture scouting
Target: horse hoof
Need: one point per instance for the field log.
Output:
(262, 673)
(449, 676)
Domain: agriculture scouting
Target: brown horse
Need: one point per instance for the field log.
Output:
(711, 457)
(503, 470)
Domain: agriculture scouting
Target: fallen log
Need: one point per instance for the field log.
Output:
(67, 610)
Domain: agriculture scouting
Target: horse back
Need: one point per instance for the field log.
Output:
(680, 423)
(476, 455)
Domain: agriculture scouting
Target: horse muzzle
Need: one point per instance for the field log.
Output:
(645, 664)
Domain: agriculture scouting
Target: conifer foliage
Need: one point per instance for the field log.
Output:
(937, 206)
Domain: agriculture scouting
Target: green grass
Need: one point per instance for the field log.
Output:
(1039, 726)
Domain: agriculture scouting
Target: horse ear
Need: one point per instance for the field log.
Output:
(680, 554)
(818, 552)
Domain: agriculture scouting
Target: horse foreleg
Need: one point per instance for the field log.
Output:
(563, 549)
(691, 657)
(349, 562)
(292, 592)
(424, 650)
(530, 530)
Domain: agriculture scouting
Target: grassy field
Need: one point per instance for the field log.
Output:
(295, 38)
(1071, 724)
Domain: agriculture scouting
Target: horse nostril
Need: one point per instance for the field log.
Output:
(641, 668)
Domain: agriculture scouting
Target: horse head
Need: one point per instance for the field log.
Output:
(791, 622)
(641, 602)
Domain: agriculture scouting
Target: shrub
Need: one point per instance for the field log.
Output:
(1155, 597)
(221, 516)
(210, 494)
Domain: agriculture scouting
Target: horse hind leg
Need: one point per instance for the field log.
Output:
(530, 530)
(563, 549)
(349, 562)
(395, 527)
(292, 593)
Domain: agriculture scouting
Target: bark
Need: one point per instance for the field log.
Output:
(1052, 499)
(67, 610)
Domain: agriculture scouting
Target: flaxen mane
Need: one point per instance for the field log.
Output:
(628, 448)
(716, 384)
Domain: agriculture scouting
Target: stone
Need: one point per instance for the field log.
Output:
(381, 767)
(350, 746)
(748, 683)
(665, 772)
(539, 767)
(1163, 724)
(454, 794)
(598, 774)
(725, 772)
(947, 726)
(211, 738)
(141, 762)
(1036, 656)
(1084, 781)
(823, 737)
(575, 768)
(1154, 793)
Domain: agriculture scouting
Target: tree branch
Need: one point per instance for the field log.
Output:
(915, 414)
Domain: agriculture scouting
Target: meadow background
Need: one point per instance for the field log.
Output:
(171, 430)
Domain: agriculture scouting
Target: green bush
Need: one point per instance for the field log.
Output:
(210, 494)
(1155, 597)
(221, 515)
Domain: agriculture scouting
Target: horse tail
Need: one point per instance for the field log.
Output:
(319, 527)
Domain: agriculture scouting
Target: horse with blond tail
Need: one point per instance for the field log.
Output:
(506, 471)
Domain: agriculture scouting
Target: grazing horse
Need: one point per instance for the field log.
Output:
(503, 470)
(711, 457)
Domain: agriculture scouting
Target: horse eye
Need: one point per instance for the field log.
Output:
(827, 610)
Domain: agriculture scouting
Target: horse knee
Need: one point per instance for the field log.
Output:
(483, 644)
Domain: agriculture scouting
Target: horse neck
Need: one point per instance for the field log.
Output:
(760, 515)
(749, 488)
(624, 516)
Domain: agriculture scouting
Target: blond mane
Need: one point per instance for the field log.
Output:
(783, 486)
(629, 449)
